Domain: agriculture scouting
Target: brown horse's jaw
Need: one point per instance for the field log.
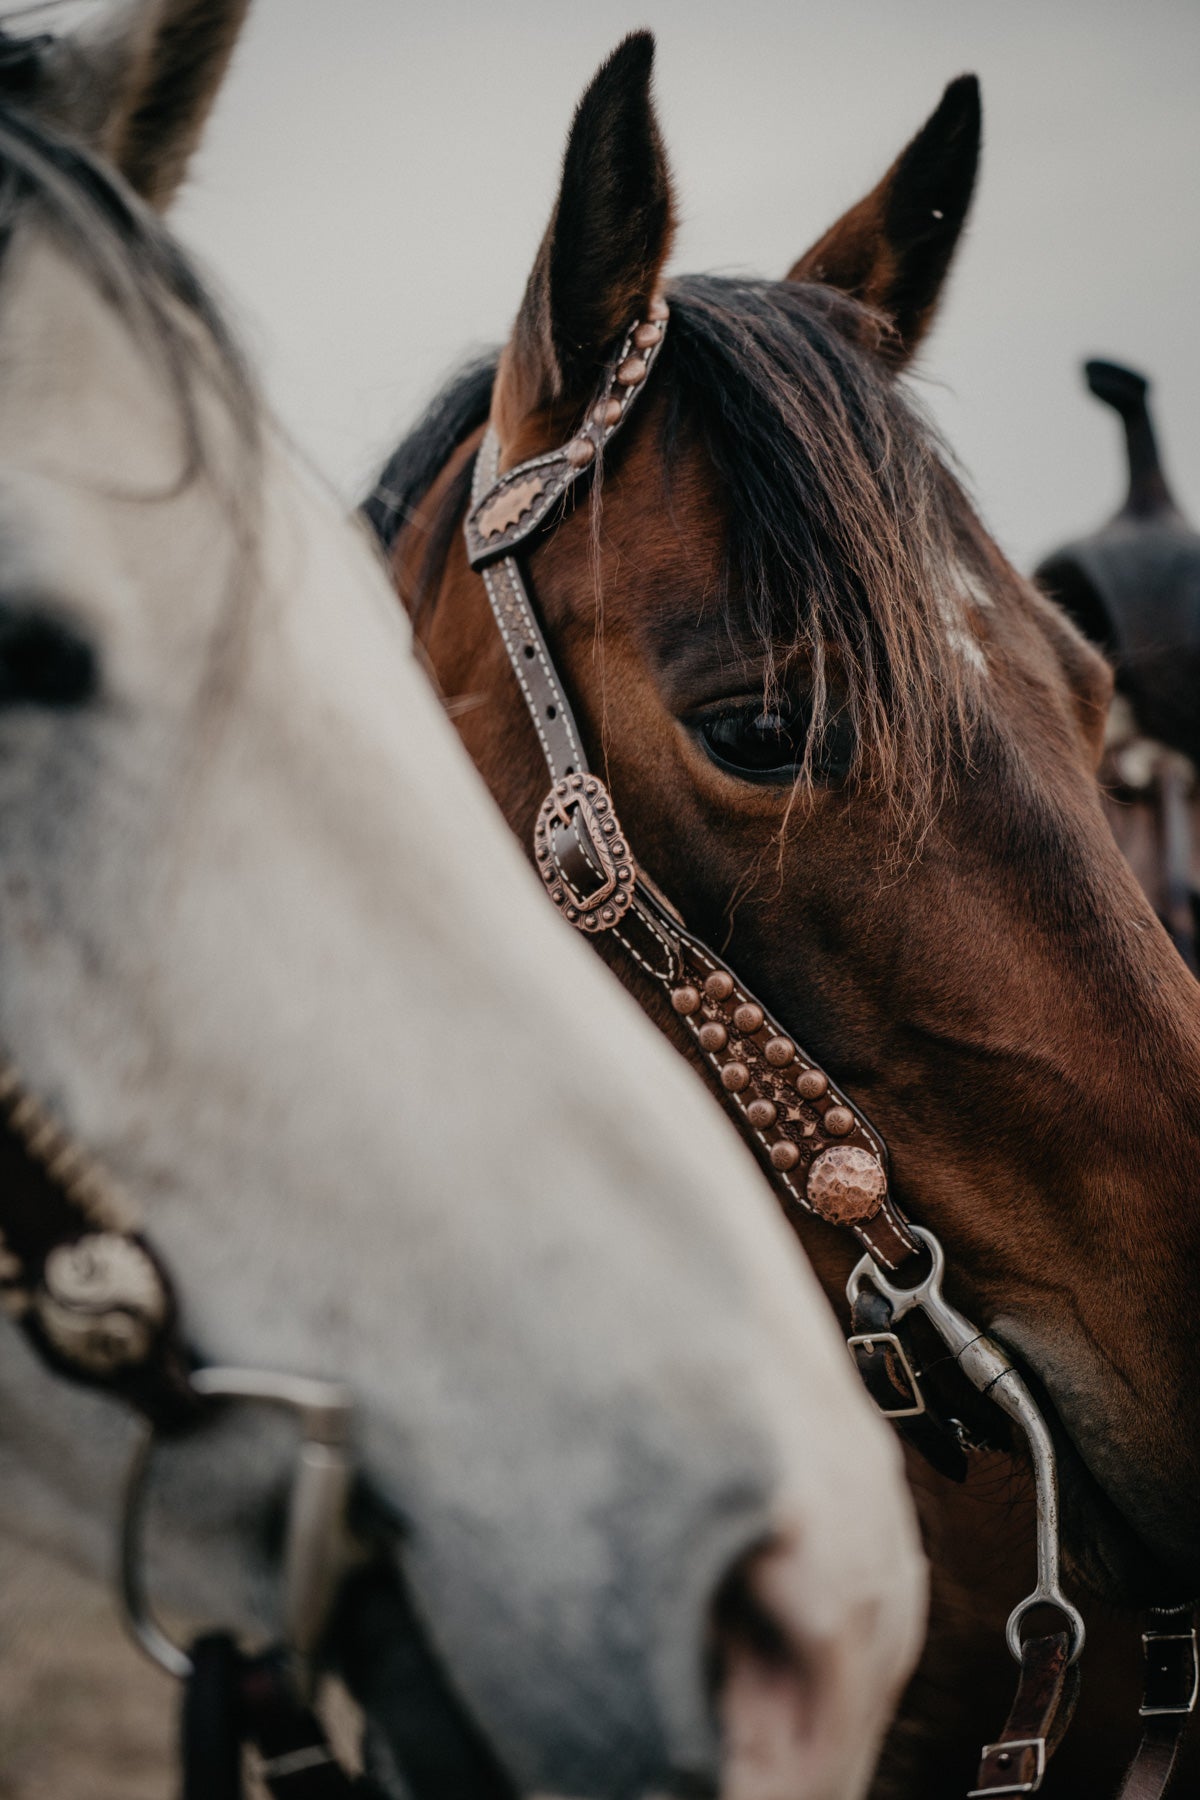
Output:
(1107, 1548)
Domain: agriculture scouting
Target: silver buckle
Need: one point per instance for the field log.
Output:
(869, 1339)
(1148, 1711)
(1037, 1744)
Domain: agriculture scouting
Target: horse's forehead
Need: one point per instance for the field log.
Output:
(661, 537)
(80, 395)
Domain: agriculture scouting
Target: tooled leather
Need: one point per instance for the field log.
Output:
(52, 1198)
(657, 940)
(508, 509)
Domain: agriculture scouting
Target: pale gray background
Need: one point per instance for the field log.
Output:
(378, 175)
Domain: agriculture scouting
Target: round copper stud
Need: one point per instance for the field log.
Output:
(719, 985)
(607, 414)
(784, 1156)
(838, 1121)
(734, 1077)
(846, 1183)
(549, 873)
(779, 1052)
(811, 1084)
(686, 1000)
(631, 371)
(762, 1114)
(580, 452)
(624, 873)
(713, 1035)
(609, 826)
(748, 1017)
(658, 308)
(608, 915)
(571, 913)
(647, 335)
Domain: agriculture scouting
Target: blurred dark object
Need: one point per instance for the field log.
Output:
(1134, 585)
(1134, 588)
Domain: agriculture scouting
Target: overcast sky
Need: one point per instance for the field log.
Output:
(378, 174)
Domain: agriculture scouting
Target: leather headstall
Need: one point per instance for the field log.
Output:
(821, 1151)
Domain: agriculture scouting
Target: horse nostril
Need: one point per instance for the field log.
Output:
(43, 660)
(765, 1685)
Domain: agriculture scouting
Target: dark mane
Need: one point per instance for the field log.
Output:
(124, 249)
(849, 543)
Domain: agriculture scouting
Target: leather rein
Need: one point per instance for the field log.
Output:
(822, 1154)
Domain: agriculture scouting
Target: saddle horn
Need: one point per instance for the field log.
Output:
(1127, 393)
(1133, 586)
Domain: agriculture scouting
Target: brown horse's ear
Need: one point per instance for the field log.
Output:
(140, 86)
(893, 249)
(604, 248)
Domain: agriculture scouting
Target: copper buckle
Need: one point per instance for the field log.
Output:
(590, 877)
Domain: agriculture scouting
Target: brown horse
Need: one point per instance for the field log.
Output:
(858, 753)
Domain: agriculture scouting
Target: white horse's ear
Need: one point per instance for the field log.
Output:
(139, 85)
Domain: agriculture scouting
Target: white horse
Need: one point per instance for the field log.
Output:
(266, 951)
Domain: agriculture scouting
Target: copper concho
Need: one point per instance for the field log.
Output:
(582, 855)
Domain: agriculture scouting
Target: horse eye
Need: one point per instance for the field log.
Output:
(43, 661)
(767, 743)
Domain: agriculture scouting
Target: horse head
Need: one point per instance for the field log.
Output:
(857, 751)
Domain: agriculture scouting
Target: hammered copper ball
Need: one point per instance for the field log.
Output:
(713, 1035)
(607, 413)
(686, 1000)
(838, 1121)
(631, 371)
(647, 335)
(846, 1183)
(734, 1077)
(784, 1156)
(580, 452)
(762, 1114)
(719, 985)
(811, 1084)
(779, 1051)
(748, 1017)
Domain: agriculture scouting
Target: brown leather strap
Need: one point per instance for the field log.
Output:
(1040, 1713)
(1170, 1682)
(819, 1149)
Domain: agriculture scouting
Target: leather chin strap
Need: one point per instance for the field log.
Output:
(820, 1151)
